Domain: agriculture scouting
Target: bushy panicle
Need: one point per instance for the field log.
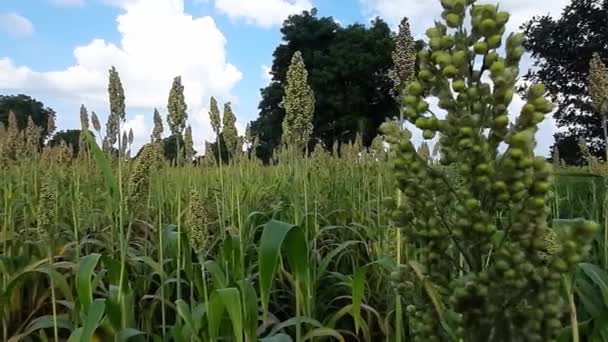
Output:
(229, 132)
(157, 132)
(214, 116)
(139, 180)
(46, 210)
(299, 104)
(197, 223)
(598, 84)
(404, 59)
(479, 205)
(95, 122)
(177, 107)
(189, 145)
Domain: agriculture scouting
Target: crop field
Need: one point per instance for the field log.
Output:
(468, 236)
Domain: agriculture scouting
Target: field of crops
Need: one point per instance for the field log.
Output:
(479, 240)
(302, 248)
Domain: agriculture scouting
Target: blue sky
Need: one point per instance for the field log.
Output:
(60, 50)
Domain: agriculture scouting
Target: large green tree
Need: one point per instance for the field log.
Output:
(348, 71)
(70, 137)
(25, 106)
(562, 49)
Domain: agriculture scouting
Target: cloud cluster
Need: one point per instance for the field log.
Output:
(158, 42)
(264, 13)
(15, 25)
(423, 13)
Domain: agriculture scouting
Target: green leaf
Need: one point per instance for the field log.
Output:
(273, 236)
(277, 338)
(126, 334)
(232, 302)
(184, 312)
(293, 321)
(104, 165)
(91, 323)
(217, 274)
(599, 278)
(215, 312)
(358, 291)
(84, 288)
(250, 308)
(44, 322)
(323, 332)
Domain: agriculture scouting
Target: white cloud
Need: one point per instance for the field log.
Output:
(67, 2)
(16, 25)
(422, 14)
(266, 75)
(265, 13)
(159, 41)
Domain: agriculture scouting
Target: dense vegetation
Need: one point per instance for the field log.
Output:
(476, 240)
(563, 49)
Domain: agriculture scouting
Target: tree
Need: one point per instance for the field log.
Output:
(70, 137)
(563, 49)
(116, 96)
(299, 104)
(177, 116)
(347, 70)
(229, 131)
(25, 106)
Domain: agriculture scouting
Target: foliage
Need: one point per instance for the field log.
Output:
(69, 137)
(25, 106)
(482, 259)
(299, 105)
(347, 70)
(562, 64)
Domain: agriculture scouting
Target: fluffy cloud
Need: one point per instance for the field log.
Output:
(67, 2)
(265, 13)
(266, 75)
(423, 13)
(15, 25)
(159, 41)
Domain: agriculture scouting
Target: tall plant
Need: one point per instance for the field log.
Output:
(477, 224)
(229, 132)
(177, 111)
(299, 104)
(117, 109)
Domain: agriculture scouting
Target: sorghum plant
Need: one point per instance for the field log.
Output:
(476, 253)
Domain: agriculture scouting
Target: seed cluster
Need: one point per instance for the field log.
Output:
(478, 220)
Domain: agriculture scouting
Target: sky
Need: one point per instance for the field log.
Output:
(59, 51)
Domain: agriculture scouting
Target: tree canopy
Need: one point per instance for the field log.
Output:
(347, 67)
(563, 48)
(71, 137)
(24, 106)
